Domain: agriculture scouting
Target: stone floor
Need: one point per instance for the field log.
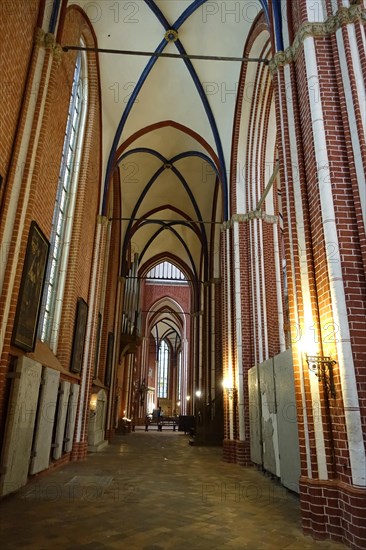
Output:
(152, 491)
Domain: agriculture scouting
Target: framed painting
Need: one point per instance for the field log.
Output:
(31, 288)
(109, 359)
(78, 341)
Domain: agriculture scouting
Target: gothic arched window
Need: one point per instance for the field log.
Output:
(64, 207)
(163, 363)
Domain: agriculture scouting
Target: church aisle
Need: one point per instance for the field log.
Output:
(152, 491)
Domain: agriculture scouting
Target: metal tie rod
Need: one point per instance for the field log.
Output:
(164, 54)
(156, 220)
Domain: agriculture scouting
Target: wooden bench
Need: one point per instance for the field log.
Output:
(138, 422)
(160, 422)
(168, 421)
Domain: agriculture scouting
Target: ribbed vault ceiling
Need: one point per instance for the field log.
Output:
(168, 123)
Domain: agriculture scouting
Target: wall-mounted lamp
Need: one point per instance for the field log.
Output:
(231, 392)
(198, 393)
(227, 384)
(322, 366)
(178, 403)
(188, 397)
(93, 404)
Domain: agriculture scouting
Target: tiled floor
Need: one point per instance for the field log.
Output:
(152, 491)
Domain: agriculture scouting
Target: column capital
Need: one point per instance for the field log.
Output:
(254, 215)
(47, 40)
(39, 36)
(196, 313)
(344, 16)
(102, 220)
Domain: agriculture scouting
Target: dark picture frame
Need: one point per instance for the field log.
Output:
(78, 341)
(31, 290)
(109, 359)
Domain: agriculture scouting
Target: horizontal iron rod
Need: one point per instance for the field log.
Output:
(159, 311)
(165, 54)
(158, 278)
(163, 221)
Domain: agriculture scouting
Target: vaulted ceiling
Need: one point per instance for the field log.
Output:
(168, 122)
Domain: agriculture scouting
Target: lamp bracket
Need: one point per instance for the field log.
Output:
(231, 393)
(322, 366)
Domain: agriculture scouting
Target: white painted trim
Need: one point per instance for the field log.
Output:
(339, 308)
(305, 284)
(229, 329)
(288, 102)
(350, 100)
(363, 33)
(252, 272)
(264, 295)
(238, 332)
(285, 28)
(213, 342)
(19, 183)
(89, 327)
(116, 360)
(277, 256)
(55, 332)
(257, 290)
(261, 273)
(184, 379)
(334, 4)
(317, 11)
(200, 346)
(47, 14)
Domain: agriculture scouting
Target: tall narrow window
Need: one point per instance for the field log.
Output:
(163, 370)
(64, 207)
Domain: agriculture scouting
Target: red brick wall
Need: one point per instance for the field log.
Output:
(18, 21)
(80, 261)
(255, 329)
(330, 509)
(48, 149)
(111, 273)
(179, 293)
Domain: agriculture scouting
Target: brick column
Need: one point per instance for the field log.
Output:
(321, 137)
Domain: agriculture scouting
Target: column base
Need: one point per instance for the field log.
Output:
(229, 450)
(243, 453)
(110, 434)
(98, 446)
(79, 451)
(334, 510)
(237, 452)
